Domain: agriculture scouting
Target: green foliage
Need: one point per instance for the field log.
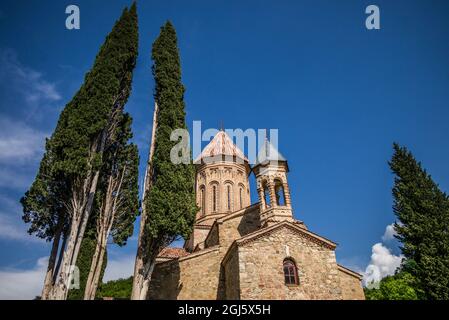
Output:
(43, 203)
(422, 210)
(117, 289)
(119, 157)
(170, 202)
(75, 147)
(122, 159)
(84, 260)
(107, 86)
(398, 287)
(123, 225)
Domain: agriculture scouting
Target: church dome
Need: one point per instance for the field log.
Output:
(268, 153)
(223, 145)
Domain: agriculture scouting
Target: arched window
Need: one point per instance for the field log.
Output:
(202, 201)
(229, 204)
(280, 194)
(266, 194)
(290, 272)
(214, 198)
(241, 197)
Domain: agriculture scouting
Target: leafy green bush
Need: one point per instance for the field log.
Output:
(117, 289)
(401, 286)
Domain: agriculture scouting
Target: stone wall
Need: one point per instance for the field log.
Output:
(261, 268)
(199, 235)
(231, 275)
(238, 225)
(253, 267)
(350, 285)
(193, 277)
(212, 238)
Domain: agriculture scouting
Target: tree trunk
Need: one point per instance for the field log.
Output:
(61, 254)
(78, 226)
(90, 295)
(83, 226)
(138, 280)
(104, 225)
(49, 276)
(96, 263)
(100, 248)
(58, 288)
(146, 282)
(82, 202)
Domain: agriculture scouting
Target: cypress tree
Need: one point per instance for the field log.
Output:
(84, 262)
(169, 203)
(62, 195)
(422, 210)
(117, 201)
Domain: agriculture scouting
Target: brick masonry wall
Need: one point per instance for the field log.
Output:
(261, 268)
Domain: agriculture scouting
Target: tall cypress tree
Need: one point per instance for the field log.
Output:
(117, 201)
(61, 197)
(422, 210)
(84, 261)
(170, 202)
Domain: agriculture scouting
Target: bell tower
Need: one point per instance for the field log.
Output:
(271, 170)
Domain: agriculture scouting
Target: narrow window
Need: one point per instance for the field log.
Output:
(214, 198)
(203, 202)
(241, 197)
(290, 272)
(229, 198)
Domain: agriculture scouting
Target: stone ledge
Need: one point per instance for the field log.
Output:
(350, 272)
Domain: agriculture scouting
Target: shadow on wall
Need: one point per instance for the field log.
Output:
(221, 290)
(168, 279)
(250, 222)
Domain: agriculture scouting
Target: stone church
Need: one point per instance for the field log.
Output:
(240, 250)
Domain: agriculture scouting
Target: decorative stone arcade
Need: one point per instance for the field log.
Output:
(271, 171)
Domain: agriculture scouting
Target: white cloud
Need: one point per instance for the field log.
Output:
(383, 263)
(13, 179)
(389, 234)
(10, 230)
(28, 82)
(19, 143)
(11, 225)
(27, 284)
(18, 284)
(123, 268)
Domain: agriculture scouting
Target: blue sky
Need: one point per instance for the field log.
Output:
(338, 93)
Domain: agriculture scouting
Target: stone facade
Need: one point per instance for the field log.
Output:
(350, 284)
(243, 251)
